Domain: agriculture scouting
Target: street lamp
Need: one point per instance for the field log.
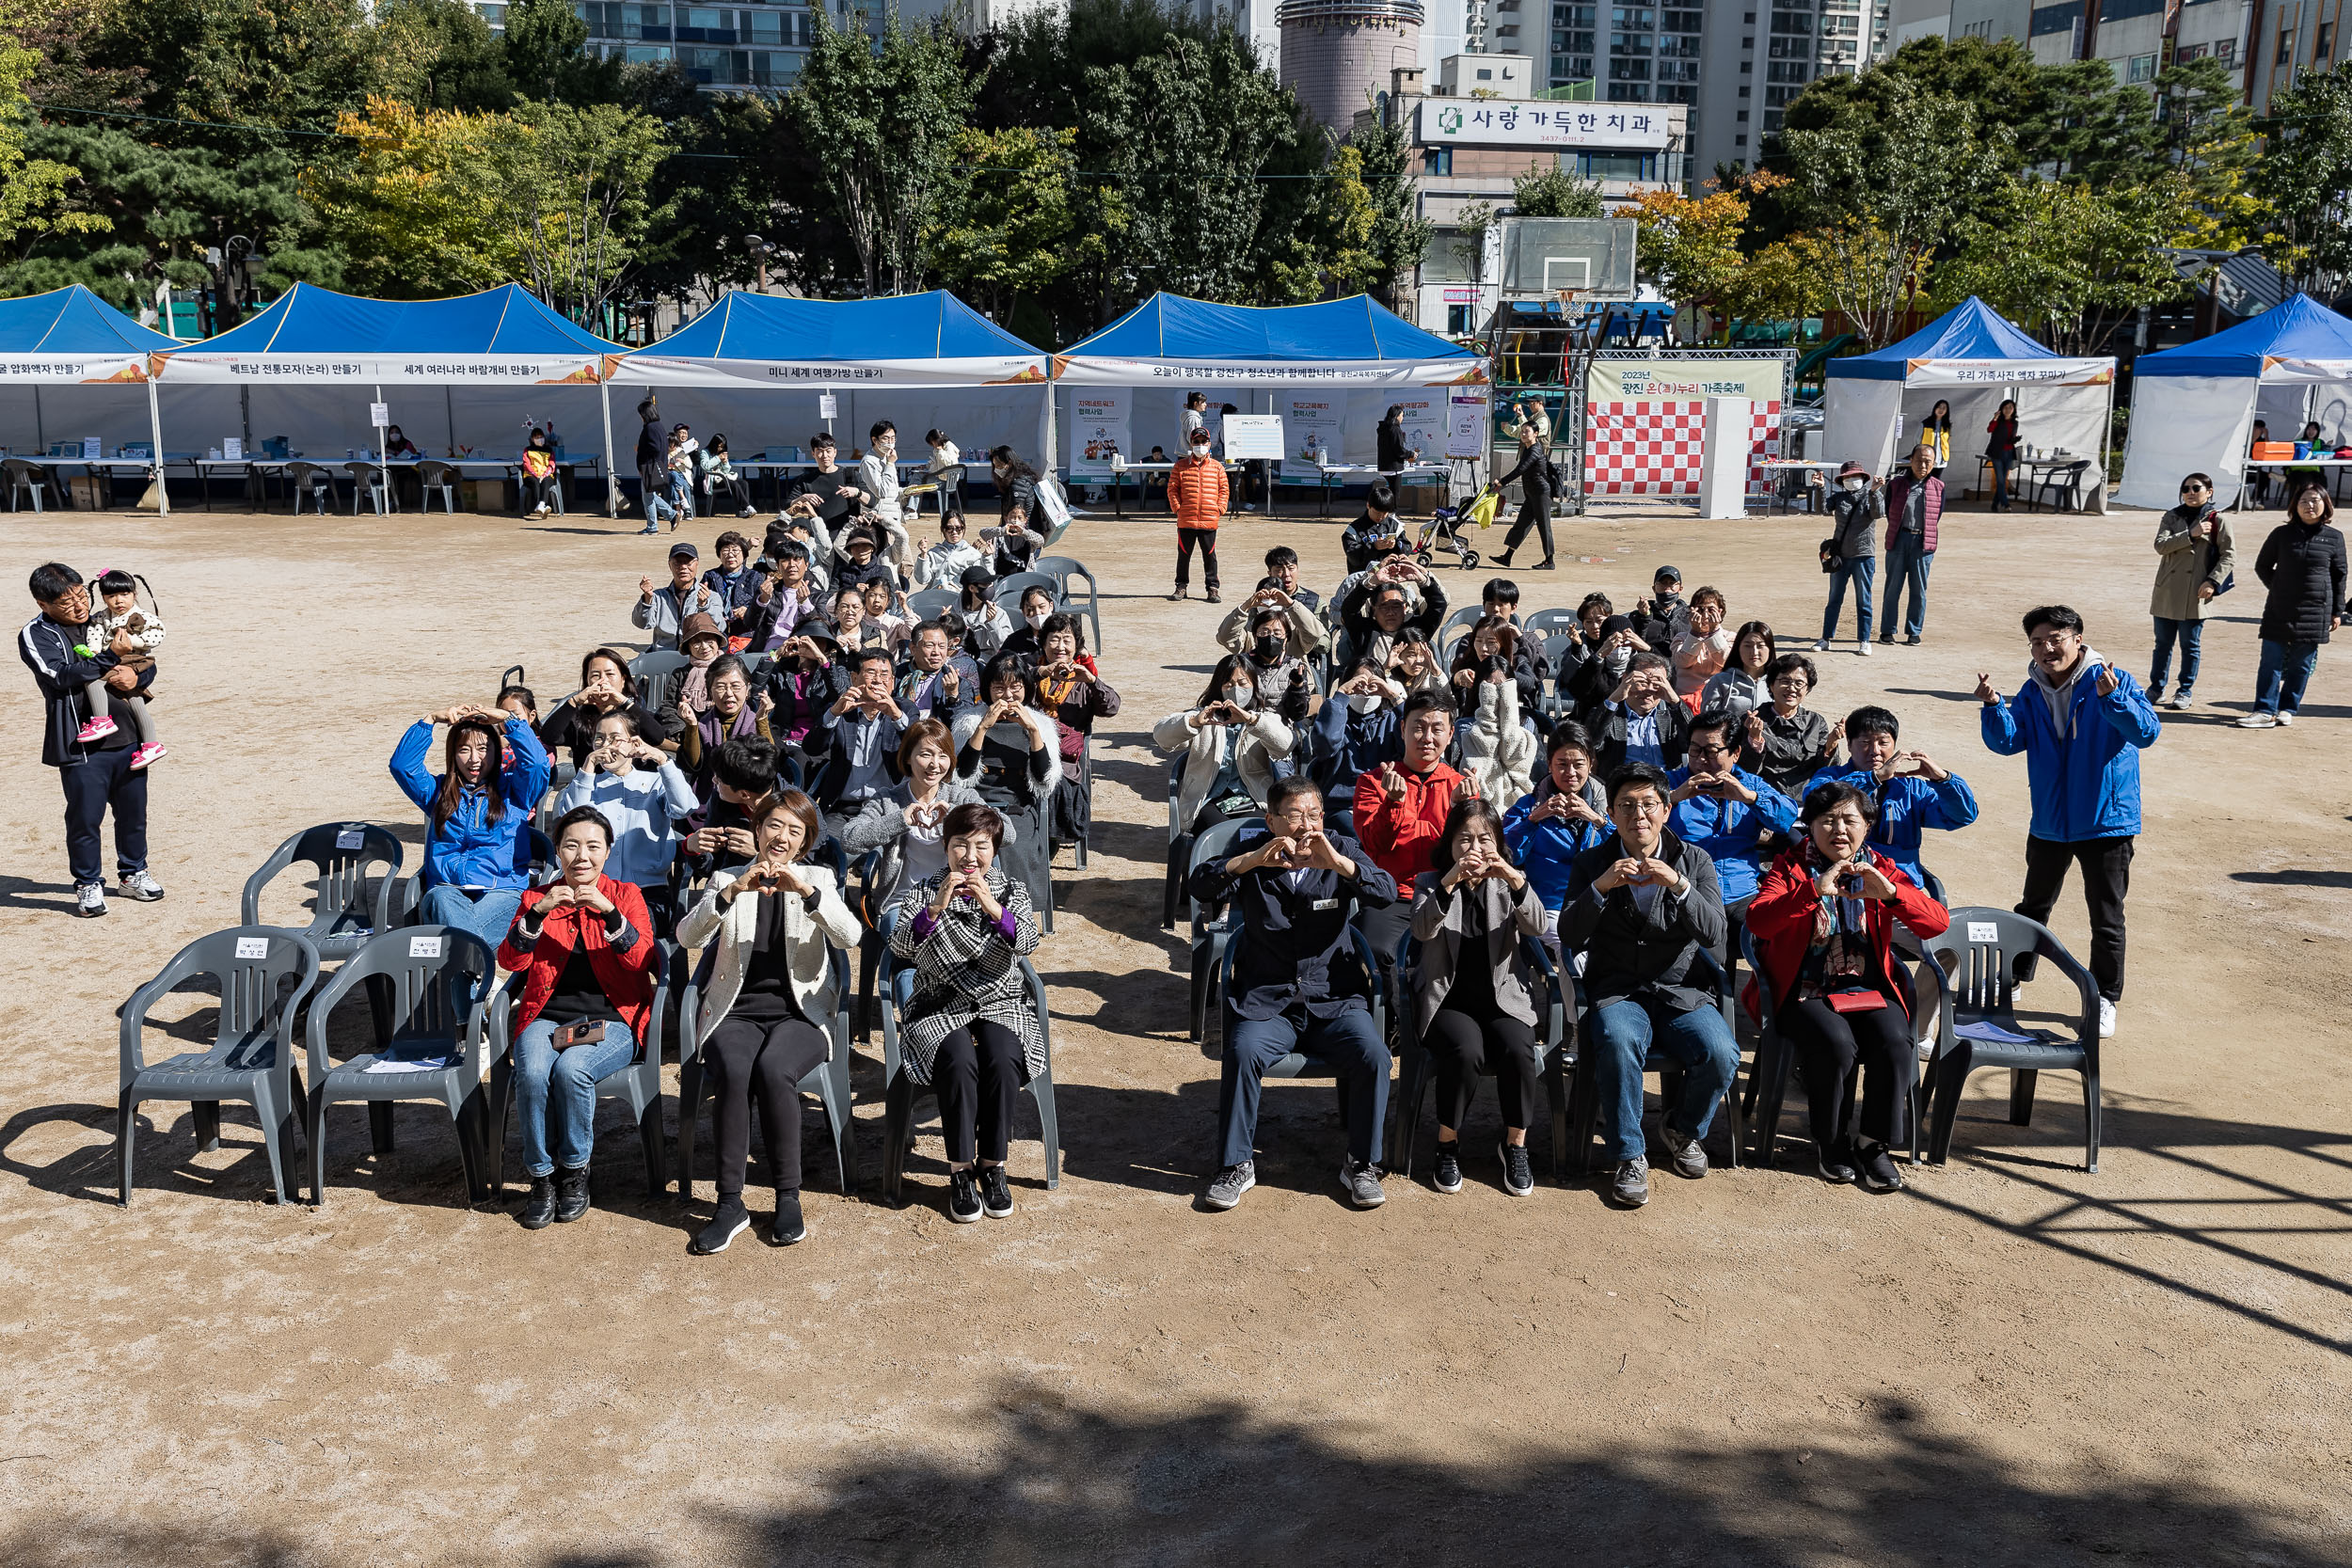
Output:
(760, 250)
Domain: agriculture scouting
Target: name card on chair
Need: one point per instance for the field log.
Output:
(350, 838)
(425, 947)
(253, 947)
(1983, 931)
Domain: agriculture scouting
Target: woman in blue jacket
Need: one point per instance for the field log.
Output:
(477, 860)
(1565, 816)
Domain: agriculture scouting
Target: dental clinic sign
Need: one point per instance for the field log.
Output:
(1496, 123)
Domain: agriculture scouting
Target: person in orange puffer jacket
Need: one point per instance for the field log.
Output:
(1196, 493)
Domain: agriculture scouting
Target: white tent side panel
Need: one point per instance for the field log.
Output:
(2183, 424)
(1858, 419)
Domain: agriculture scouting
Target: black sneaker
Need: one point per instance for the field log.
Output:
(1910, 641)
(787, 1227)
(1446, 1174)
(964, 1197)
(571, 1195)
(1835, 1163)
(731, 1220)
(539, 1207)
(1879, 1174)
(1518, 1171)
(995, 1193)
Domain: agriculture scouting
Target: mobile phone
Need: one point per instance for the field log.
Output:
(577, 1034)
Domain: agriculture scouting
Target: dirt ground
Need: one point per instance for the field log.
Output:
(2015, 1362)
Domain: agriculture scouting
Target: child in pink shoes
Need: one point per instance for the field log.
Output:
(119, 591)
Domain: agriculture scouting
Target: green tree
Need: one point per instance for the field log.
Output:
(548, 58)
(38, 196)
(2069, 261)
(2209, 137)
(441, 54)
(720, 163)
(575, 186)
(1554, 193)
(276, 62)
(1016, 234)
(2304, 179)
(417, 204)
(1400, 235)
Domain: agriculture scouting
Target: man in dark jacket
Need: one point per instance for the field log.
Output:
(1375, 536)
(1914, 507)
(1646, 912)
(1380, 606)
(1298, 983)
(2302, 567)
(98, 774)
(854, 746)
(1641, 721)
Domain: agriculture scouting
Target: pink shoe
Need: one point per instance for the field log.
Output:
(148, 752)
(97, 729)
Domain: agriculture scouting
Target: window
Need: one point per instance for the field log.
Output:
(1749, 18)
(1436, 160)
(1571, 68)
(1678, 48)
(1789, 70)
(1461, 320)
(1773, 99)
(1738, 141)
(1977, 30)
(1791, 48)
(1628, 71)
(1508, 30)
(2286, 47)
(1571, 16)
(1637, 17)
(1615, 166)
(1796, 22)
(1685, 94)
(2142, 69)
(1744, 91)
(1677, 71)
(2056, 18)
(1842, 27)
(1628, 92)
(2189, 52)
(1631, 43)
(1743, 117)
(1571, 43)
(2225, 51)
(1485, 75)
(2321, 35)
(1682, 21)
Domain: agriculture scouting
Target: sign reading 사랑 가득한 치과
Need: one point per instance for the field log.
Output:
(1504, 123)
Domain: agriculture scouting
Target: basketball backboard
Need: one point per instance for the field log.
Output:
(1541, 258)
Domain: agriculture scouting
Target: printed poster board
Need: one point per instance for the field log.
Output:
(1098, 420)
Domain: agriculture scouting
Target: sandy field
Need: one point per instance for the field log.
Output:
(2015, 1362)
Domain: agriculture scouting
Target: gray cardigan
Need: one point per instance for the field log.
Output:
(1437, 927)
(881, 825)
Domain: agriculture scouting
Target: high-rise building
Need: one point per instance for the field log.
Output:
(1339, 55)
(2139, 37)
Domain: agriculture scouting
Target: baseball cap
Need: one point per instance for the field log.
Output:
(683, 549)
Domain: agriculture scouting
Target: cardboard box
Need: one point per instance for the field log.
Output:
(88, 491)
(487, 495)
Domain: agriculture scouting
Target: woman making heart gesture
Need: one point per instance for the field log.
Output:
(906, 825)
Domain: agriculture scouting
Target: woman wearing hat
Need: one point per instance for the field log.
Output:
(1850, 554)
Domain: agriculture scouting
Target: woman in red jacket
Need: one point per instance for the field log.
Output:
(586, 952)
(1824, 920)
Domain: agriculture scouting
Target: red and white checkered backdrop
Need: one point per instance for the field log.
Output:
(1654, 449)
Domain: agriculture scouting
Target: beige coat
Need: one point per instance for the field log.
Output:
(2183, 561)
(738, 927)
(1264, 741)
(1437, 927)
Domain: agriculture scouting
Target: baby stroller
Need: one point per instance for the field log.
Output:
(1443, 530)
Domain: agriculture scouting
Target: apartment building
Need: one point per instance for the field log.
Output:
(2136, 38)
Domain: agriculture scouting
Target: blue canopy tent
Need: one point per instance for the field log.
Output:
(2194, 406)
(504, 346)
(1972, 358)
(71, 338)
(1341, 362)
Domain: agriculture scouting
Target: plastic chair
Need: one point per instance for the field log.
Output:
(441, 477)
(1466, 617)
(265, 974)
(1300, 1064)
(1007, 592)
(1985, 956)
(374, 483)
(1768, 1079)
(925, 603)
(315, 482)
(1062, 569)
(1582, 1107)
(829, 1080)
(1415, 1070)
(656, 675)
(1210, 934)
(1177, 856)
(637, 1082)
(25, 478)
(901, 1092)
(345, 916)
(431, 969)
(2065, 486)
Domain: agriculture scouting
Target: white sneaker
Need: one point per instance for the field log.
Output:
(1821, 646)
(2286, 717)
(2107, 1018)
(2259, 720)
(1862, 648)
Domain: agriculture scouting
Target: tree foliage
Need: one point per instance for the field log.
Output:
(575, 184)
(1016, 232)
(418, 202)
(2305, 179)
(1554, 193)
(2069, 261)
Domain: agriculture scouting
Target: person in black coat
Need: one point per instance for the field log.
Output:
(1392, 454)
(98, 775)
(2303, 566)
(1643, 907)
(605, 687)
(1298, 983)
(1534, 475)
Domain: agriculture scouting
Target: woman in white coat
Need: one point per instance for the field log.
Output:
(765, 1014)
(1497, 750)
(1230, 747)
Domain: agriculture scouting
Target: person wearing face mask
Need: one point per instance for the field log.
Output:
(1283, 682)
(1197, 494)
(1497, 750)
(477, 860)
(1701, 647)
(1355, 731)
(1740, 685)
(1232, 748)
(1735, 817)
(1037, 607)
(1475, 991)
(1593, 679)
(878, 472)
(1850, 554)
(939, 680)
(1302, 628)
(1640, 721)
(1073, 694)
(1909, 793)
(643, 796)
(906, 826)
(1010, 752)
(1823, 923)
(1641, 906)
(1914, 504)
(1559, 821)
(985, 624)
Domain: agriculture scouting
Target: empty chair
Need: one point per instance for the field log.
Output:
(436, 974)
(441, 478)
(346, 913)
(372, 481)
(1985, 956)
(2062, 486)
(1064, 570)
(1007, 590)
(265, 974)
(24, 479)
(656, 674)
(927, 604)
(311, 480)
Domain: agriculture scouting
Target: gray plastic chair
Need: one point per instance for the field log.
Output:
(1469, 615)
(1064, 569)
(1768, 1080)
(1299, 1063)
(1985, 956)
(1007, 590)
(1582, 1111)
(265, 974)
(1210, 937)
(315, 481)
(656, 675)
(25, 478)
(346, 914)
(367, 478)
(637, 1082)
(927, 604)
(430, 971)
(1416, 1071)
(437, 478)
(900, 1091)
(829, 1080)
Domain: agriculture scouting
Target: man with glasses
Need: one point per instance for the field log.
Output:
(943, 564)
(2082, 724)
(1298, 983)
(97, 775)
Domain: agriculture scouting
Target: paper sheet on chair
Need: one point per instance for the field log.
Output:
(1991, 1033)
(417, 1064)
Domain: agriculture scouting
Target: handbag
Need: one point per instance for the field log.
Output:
(1854, 1001)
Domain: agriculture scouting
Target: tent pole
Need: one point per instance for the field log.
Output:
(40, 432)
(611, 466)
(449, 413)
(155, 431)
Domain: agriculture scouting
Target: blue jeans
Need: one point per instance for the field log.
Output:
(1347, 1043)
(1906, 566)
(2191, 636)
(1627, 1034)
(2285, 669)
(488, 914)
(2001, 468)
(1861, 573)
(555, 1093)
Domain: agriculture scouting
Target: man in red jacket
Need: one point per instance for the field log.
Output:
(1196, 493)
(1401, 812)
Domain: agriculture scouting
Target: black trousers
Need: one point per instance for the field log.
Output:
(978, 1082)
(2106, 864)
(766, 1058)
(1464, 1047)
(103, 780)
(535, 491)
(1185, 539)
(1829, 1044)
(733, 488)
(1534, 513)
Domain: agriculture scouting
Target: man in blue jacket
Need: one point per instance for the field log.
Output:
(97, 775)
(2081, 722)
(1731, 814)
(1914, 793)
